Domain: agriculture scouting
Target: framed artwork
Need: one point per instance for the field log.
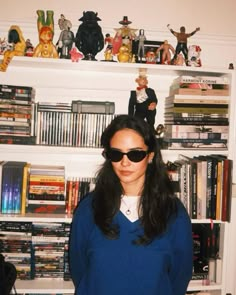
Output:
(150, 48)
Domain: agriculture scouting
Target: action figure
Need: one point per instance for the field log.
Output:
(182, 38)
(15, 37)
(45, 48)
(108, 51)
(141, 51)
(124, 36)
(89, 38)
(66, 38)
(166, 52)
(143, 101)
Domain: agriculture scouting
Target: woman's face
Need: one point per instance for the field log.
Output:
(131, 174)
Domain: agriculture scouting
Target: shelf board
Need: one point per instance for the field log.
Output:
(43, 286)
(197, 286)
(111, 67)
(33, 217)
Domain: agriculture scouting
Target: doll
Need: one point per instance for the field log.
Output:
(182, 38)
(66, 38)
(45, 48)
(166, 52)
(16, 38)
(143, 101)
(89, 38)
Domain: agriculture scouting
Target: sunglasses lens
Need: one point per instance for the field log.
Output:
(116, 155)
(136, 156)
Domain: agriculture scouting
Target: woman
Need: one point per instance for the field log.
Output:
(131, 235)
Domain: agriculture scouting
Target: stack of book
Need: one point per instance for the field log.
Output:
(17, 114)
(78, 124)
(204, 185)
(16, 246)
(76, 189)
(46, 190)
(48, 241)
(13, 186)
(196, 113)
(207, 266)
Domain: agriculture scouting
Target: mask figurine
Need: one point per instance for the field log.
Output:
(15, 37)
(89, 38)
(143, 101)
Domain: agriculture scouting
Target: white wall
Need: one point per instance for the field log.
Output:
(216, 19)
(217, 36)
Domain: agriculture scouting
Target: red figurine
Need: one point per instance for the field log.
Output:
(75, 55)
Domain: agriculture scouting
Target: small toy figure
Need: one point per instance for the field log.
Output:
(143, 101)
(150, 56)
(231, 66)
(179, 60)
(166, 49)
(108, 53)
(194, 52)
(141, 39)
(124, 54)
(75, 55)
(182, 38)
(124, 36)
(89, 38)
(15, 37)
(45, 48)
(29, 51)
(66, 38)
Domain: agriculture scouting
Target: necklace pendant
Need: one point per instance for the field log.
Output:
(128, 212)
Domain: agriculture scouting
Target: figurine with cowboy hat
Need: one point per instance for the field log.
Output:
(124, 36)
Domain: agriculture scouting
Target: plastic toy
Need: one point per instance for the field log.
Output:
(194, 52)
(75, 55)
(141, 39)
(143, 101)
(66, 38)
(89, 38)
(150, 56)
(108, 53)
(182, 38)
(166, 49)
(15, 37)
(124, 36)
(45, 48)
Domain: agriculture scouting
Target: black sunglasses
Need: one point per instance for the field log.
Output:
(116, 155)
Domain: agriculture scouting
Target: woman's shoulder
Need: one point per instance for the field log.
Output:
(84, 207)
(181, 212)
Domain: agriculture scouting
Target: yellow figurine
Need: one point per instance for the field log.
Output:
(15, 37)
(124, 36)
(45, 48)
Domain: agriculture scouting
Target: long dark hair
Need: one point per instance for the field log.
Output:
(157, 201)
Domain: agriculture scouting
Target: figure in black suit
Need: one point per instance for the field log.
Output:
(143, 101)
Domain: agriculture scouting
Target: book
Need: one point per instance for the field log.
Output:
(45, 206)
(199, 109)
(199, 91)
(202, 79)
(24, 193)
(197, 99)
(12, 179)
(226, 190)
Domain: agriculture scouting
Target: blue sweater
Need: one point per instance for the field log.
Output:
(100, 266)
